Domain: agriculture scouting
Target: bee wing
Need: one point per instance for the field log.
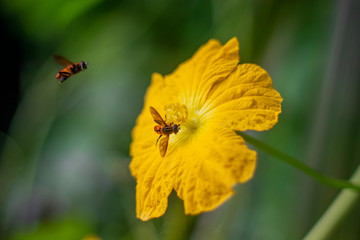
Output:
(163, 145)
(61, 60)
(156, 116)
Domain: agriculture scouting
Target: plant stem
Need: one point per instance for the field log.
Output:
(331, 182)
(336, 212)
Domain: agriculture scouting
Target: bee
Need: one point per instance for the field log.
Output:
(70, 68)
(164, 130)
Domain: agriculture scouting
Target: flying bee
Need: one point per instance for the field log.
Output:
(164, 130)
(70, 68)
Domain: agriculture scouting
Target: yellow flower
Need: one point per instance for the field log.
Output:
(211, 96)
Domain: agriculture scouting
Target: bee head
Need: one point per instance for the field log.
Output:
(176, 128)
(83, 65)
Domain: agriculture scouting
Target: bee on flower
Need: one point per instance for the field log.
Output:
(204, 101)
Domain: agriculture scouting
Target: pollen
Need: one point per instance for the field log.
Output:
(175, 113)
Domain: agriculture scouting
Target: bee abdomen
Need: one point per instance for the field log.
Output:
(64, 74)
(167, 130)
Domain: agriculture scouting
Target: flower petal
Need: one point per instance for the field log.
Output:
(152, 172)
(195, 77)
(210, 165)
(246, 101)
(143, 134)
(155, 182)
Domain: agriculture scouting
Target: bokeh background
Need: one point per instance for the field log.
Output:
(65, 148)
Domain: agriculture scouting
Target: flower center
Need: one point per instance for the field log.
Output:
(189, 122)
(192, 123)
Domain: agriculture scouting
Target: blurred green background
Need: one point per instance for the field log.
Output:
(65, 148)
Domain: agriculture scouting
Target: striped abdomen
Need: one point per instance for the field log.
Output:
(71, 70)
(166, 129)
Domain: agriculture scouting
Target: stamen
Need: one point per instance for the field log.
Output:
(176, 113)
(189, 122)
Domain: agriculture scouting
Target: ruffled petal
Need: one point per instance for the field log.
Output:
(143, 134)
(210, 164)
(195, 77)
(153, 173)
(155, 182)
(245, 101)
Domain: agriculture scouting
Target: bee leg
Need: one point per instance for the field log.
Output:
(62, 79)
(158, 140)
